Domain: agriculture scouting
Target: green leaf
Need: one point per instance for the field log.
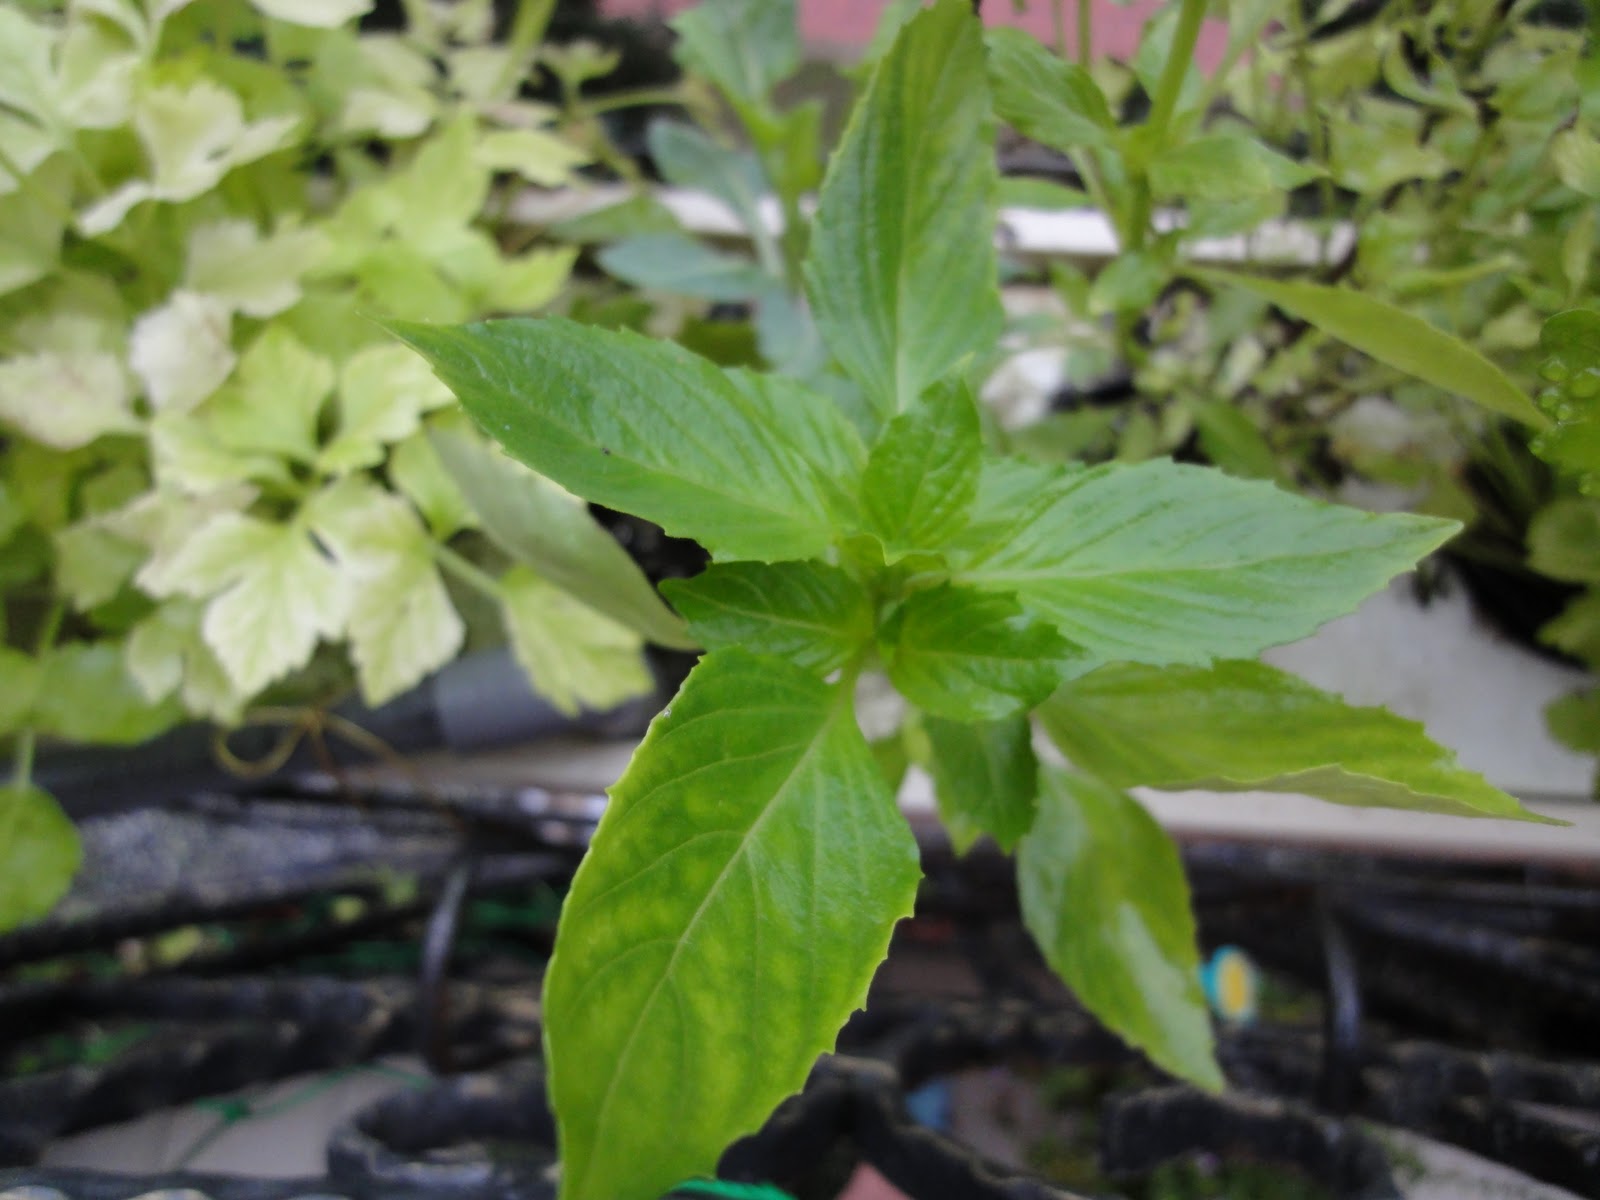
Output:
(86, 694)
(1243, 726)
(745, 47)
(166, 653)
(671, 262)
(985, 778)
(688, 158)
(1043, 96)
(92, 563)
(968, 655)
(737, 896)
(19, 687)
(1224, 167)
(808, 613)
(922, 474)
(1576, 155)
(1395, 338)
(271, 594)
(749, 467)
(1131, 282)
(1104, 894)
(1564, 540)
(1574, 720)
(401, 624)
(1017, 191)
(574, 656)
(39, 854)
(1162, 563)
(1570, 343)
(901, 272)
(1577, 629)
(550, 530)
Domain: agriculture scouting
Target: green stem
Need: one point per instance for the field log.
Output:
(1307, 80)
(22, 760)
(468, 572)
(1170, 86)
(1085, 33)
(634, 98)
(527, 31)
(31, 188)
(1058, 24)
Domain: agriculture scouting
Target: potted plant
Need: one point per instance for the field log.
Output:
(224, 493)
(751, 864)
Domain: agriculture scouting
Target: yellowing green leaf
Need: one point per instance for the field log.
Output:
(901, 271)
(92, 563)
(1243, 726)
(416, 470)
(529, 281)
(575, 657)
(737, 896)
(1104, 894)
(39, 854)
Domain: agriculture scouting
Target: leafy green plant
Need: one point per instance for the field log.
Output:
(750, 867)
(222, 489)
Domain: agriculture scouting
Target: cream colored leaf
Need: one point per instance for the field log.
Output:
(165, 653)
(320, 14)
(383, 392)
(257, 276)
(183, 351)
(273, 403)
(575, 657)
(65, 401)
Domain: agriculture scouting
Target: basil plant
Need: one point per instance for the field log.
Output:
(749, 870)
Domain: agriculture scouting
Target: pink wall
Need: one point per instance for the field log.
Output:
(834, 24)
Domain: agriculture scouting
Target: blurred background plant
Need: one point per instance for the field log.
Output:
(223, 490)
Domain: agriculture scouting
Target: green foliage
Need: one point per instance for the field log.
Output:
(736, 898)
(750, 866)
(1104, 894)
(39, 853)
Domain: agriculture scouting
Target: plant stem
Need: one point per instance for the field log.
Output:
(527, 31)
(1317, 132)
(634, 98)
(1170, 86)
(22, 760)
(466, 571)
(1085, 33)
(1058, 24)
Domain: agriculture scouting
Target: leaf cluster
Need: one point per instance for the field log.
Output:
(219, 480)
